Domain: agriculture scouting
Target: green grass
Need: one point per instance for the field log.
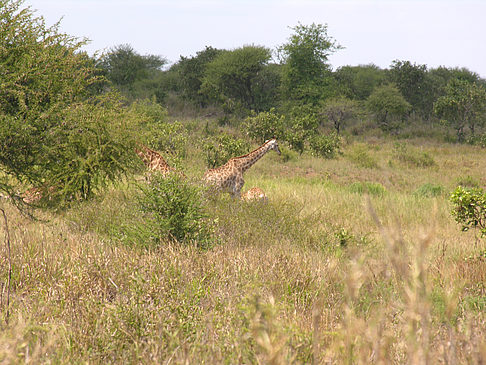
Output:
(344, 260)
(429, 190)
(361, 156)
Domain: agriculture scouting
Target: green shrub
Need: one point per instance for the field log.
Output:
(367, 187)
(171, 139)
(287, 154)
(477, 140)
(57, 132)
(469, 208)
(429, 190)
(326, 146)
(300, 125)
(157, 133)
(153, 112)
(265, 125)
(88, 150)
(175, 210)
(360, 156)
(220, 149)
(344, 237)
(468, 181)
(388, 105)
(412, 158)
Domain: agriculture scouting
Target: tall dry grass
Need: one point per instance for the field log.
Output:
(324, 273)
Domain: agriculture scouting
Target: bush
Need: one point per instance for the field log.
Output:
(478, 140)
(56, 133)
(387, 104)
(300, 125)
(171, 139)
(468, 181)
(287, 154)
(159, 134)
(360, 156)
(265, 125)
(175, 211)
(413, 158)
(429, 190)
(326, 146)
(367, 187)
(96, 149)
(469, 208)
(220, 149)
(339, 111)
(153, 112)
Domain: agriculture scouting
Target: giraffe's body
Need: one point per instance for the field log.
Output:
(35, 194)
(154, 161)
(254, 194)
(229, 177)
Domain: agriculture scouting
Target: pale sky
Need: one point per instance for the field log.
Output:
(449, 33)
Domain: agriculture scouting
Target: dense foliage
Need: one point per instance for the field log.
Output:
(65, 130)
(354, 260)
(174, 211)
(236, 79)
(246, 80)
(265, 125)
(463, 105)
(306, 72)
(326, 146)
(469, 208)
(135, 75)
(387, 104)
(57, 130)
(219, 149)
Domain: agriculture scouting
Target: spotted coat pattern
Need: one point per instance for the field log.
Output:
(254, 194)
(153, 160)
(229, 177)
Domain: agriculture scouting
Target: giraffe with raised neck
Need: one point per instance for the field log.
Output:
(154, 160)
(229, 177)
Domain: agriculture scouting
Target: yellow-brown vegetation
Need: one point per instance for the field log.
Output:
(348, 262)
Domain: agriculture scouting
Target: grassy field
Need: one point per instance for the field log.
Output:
(353, 260)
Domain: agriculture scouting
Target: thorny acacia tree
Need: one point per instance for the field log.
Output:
(339, 110)
(236, 76)
(57, 133)
(461, 105)
(386, 102)
(305, 56)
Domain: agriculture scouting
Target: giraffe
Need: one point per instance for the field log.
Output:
(229, 177)
(154, 161)
(31, 196)
(255, 194)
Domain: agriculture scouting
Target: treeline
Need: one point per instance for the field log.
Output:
(298, 76)
(69, 123)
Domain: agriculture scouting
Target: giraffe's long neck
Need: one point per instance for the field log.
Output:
(247, 161)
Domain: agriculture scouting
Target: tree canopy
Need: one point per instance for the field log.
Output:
(56, 131)
(386, 102)
(66, 120)
(305, 57)
(131, 72)
(461, 105)
(235, 76)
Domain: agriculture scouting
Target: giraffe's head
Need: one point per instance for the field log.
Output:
(273, 145)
